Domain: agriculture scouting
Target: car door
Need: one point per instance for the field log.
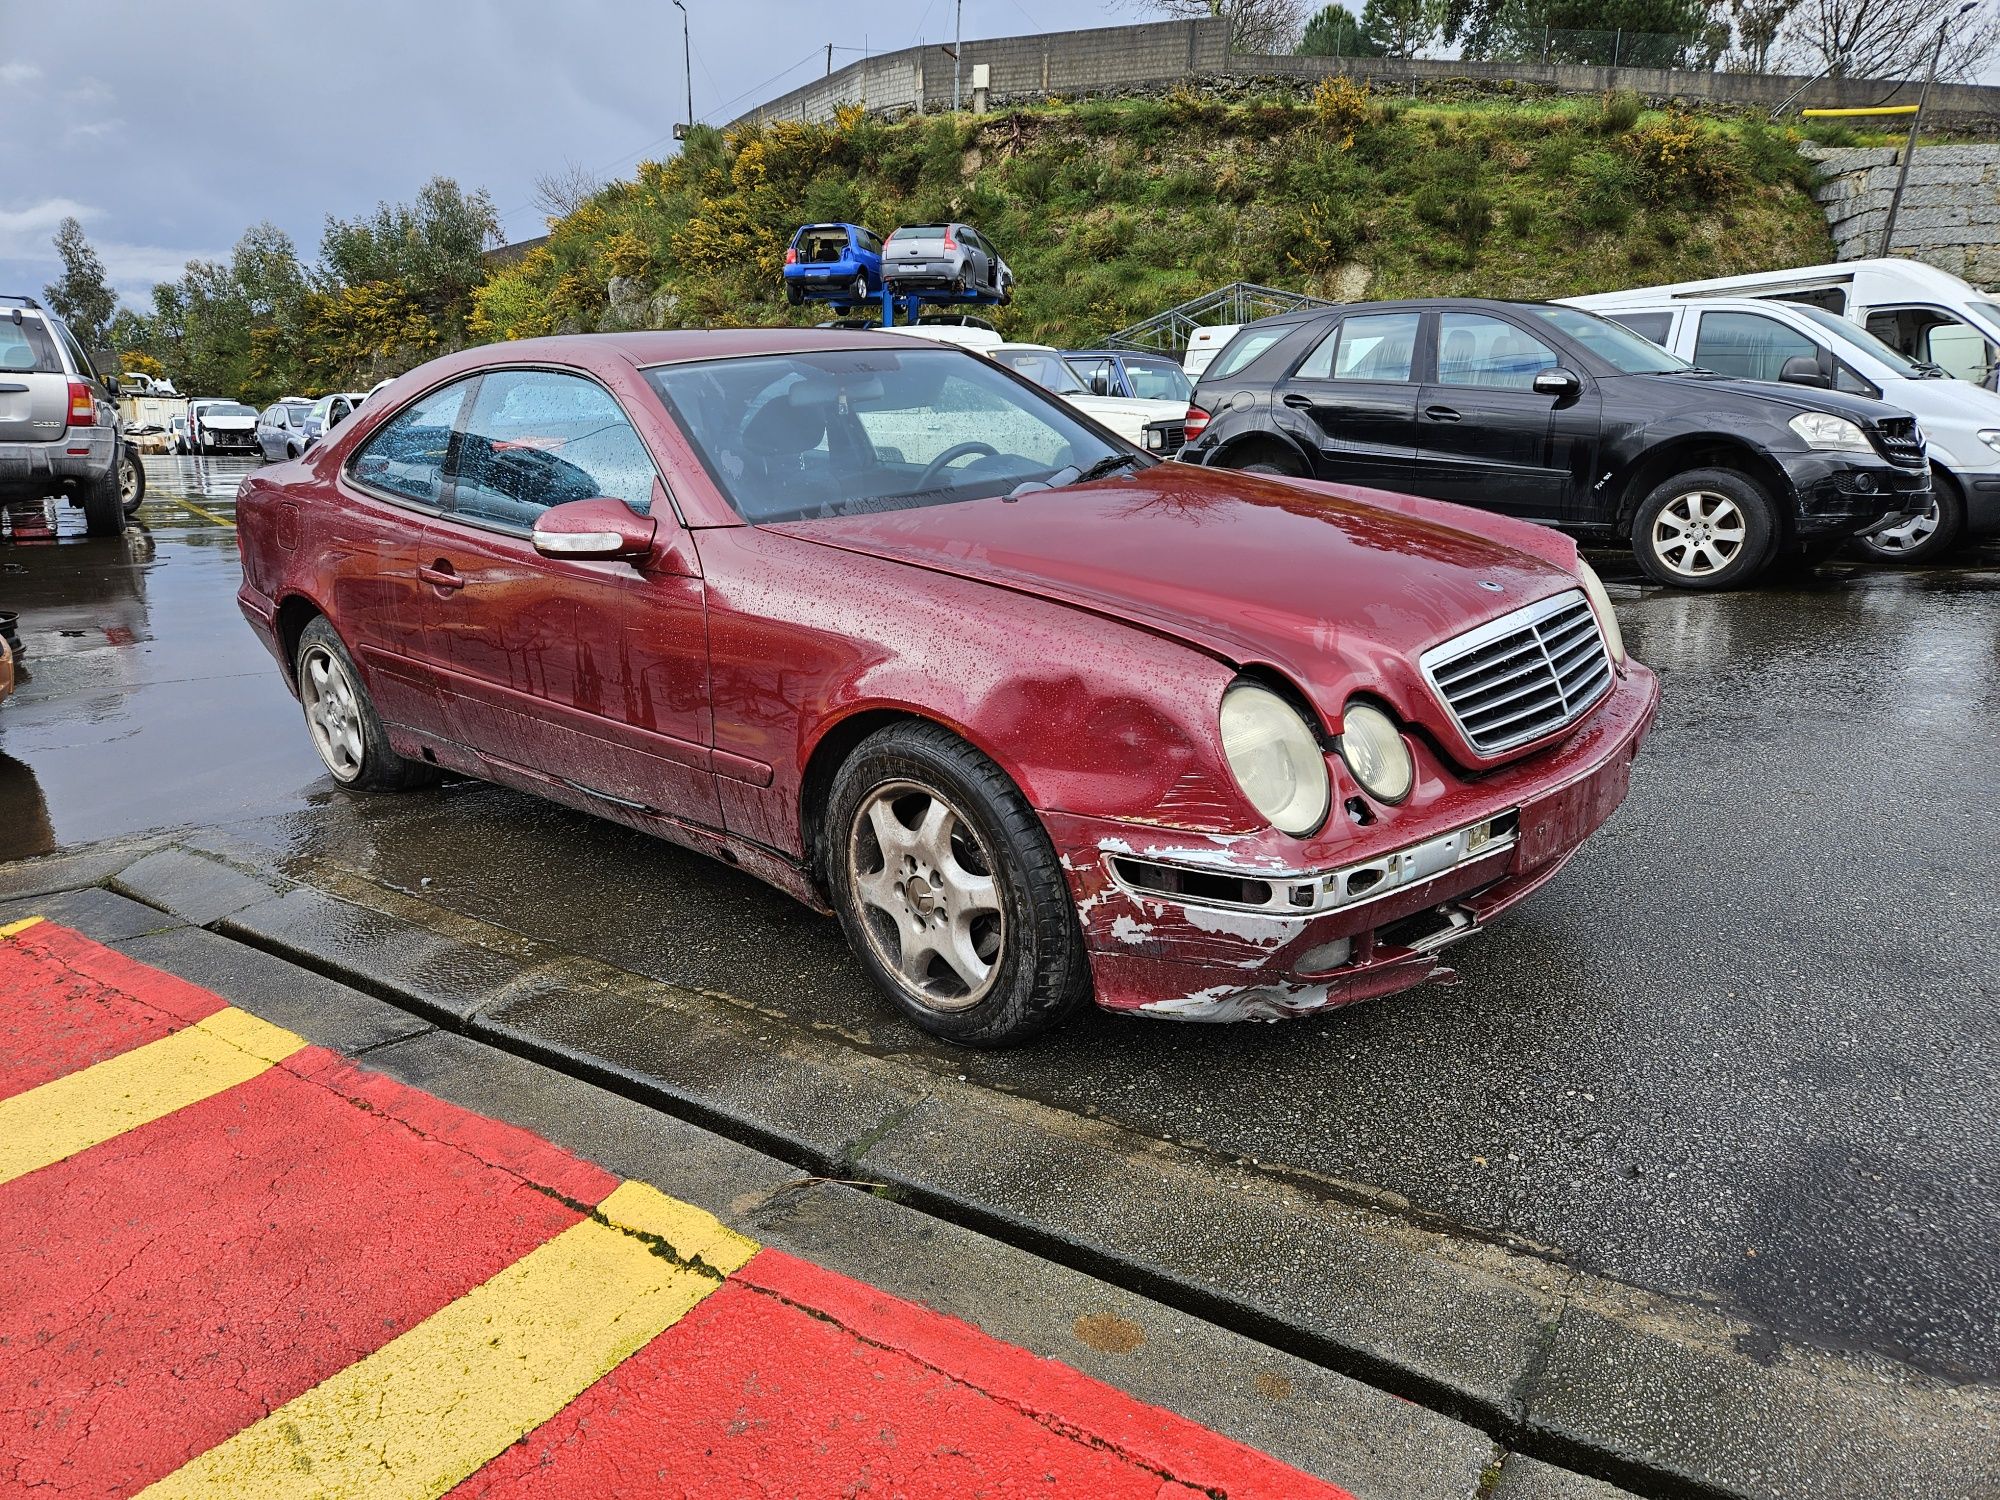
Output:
(592, 672)
(374, 547)
(1488, 437)
(1357, 391)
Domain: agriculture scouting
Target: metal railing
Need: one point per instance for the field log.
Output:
(1239, 302)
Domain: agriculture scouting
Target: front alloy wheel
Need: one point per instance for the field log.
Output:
(949, 889)
(1699, 534)
(929, 905)
(1705, 529)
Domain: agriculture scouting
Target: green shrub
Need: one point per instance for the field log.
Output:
(1603, 184)
(1618, 112)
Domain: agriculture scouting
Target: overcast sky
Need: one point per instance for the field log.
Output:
(169, 128)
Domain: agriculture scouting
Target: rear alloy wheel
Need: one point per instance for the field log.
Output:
(346, 730)
(131, 481)
(950, 891)
(1706, 529)
(859, 290)
(1926, 538)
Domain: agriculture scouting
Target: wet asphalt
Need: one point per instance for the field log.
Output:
(1743, 1051)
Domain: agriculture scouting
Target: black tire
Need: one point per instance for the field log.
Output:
(1038, 970)
(793, 295)
(1731, 519)
(377, 768)
(131, 481)
(1947, 529)
(292, 451)
(860, 289)
(103, 509)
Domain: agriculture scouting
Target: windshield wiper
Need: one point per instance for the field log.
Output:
(1107, 465)
(1931, 371)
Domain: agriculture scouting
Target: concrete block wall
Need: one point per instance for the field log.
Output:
(1123, 58)
(1951, 206)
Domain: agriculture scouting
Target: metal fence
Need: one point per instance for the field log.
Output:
(1554, 44)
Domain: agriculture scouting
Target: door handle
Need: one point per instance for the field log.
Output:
(1299, 403)
(442, 575)
(1441, 413)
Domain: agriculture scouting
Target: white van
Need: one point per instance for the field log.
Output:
(1756, 339)
(1927, 314)
(965, 335)
(1204, 344)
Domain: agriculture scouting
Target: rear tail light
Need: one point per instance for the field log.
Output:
(1197, 422)
(791, 257)
(949, 242)
(82, 405)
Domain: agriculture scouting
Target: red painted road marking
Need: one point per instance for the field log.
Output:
(66, 1006)
(797, 1381)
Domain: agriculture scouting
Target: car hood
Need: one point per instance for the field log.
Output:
(1339, 588)
(226, 424)
(1795, 398)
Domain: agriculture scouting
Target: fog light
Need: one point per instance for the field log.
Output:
(1326, 956)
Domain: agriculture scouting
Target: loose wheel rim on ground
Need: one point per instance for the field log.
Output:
(333, 711)
(1698, 534)
(1911, 535)
(923, 885)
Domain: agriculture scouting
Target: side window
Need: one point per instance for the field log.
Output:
(1376, 346)
(535, 439)
(1475, 350)
(1649, 325)
(1748, 345)
(409, 455)
(76, 355)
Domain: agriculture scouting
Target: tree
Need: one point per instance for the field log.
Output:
(1640, 33)
(432, 251)
(1758, 23)
(1261, 26)
(560, 193)
(1334, 32)
(1887, 38)
(1400, 28)
(80, 296)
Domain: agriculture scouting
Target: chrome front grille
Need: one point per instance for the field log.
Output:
(1522, 676)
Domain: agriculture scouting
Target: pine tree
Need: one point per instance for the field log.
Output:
(81, 297)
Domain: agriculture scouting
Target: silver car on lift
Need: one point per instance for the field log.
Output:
(951, 258)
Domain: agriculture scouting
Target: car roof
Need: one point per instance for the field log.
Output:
(682, 345)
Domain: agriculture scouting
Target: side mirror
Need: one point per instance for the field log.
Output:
(1803, 369)
(599, 528)
(1557, 383)
(111, 384)
(1100, 383)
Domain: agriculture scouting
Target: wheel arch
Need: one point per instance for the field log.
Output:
(1701, 451)
(295, 612)
(1261, 443)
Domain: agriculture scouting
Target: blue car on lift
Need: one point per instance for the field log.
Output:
(833, 263)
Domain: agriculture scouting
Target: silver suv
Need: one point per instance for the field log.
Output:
(59, 429)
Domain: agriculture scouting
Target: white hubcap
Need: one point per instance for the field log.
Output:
(1699, 533)
(929, 903)
(333, 712)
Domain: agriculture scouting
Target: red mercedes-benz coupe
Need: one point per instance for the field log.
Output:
(1040, 718)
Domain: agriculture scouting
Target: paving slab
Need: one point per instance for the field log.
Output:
(71, 870)
(105, 915)
(1524, 1478)
(192, 886)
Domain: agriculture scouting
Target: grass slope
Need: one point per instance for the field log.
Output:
(1112, 210)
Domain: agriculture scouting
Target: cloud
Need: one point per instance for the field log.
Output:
(14, 74)
(25, 232)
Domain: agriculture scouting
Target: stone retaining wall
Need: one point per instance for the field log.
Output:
(1951, 206)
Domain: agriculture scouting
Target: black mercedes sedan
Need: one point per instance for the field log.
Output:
(1556, 415)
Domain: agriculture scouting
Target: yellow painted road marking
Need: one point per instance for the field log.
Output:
(206, 515)
(434, 1404)
(83, 1109)
(21, 926)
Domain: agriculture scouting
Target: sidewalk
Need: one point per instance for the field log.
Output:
(239, 1255)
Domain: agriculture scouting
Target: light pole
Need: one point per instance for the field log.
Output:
(687, 60)
(957, 50)
(1910, 147)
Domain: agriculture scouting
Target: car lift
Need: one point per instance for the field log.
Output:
(907, 305)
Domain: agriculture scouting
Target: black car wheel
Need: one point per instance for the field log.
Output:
(103, 506)
(859, 291)
(793, 295)
(1929, 537)
(1705, 529)
(131, 481)
(346, 730)
(949, 890)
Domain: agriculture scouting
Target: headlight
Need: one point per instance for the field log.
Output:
(1275, 758)
(1829, 433)
(1373, 748)
(1990, 436)
(1607, 618)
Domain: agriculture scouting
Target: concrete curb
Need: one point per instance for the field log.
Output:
(1369, 1443)
(1664, 1396)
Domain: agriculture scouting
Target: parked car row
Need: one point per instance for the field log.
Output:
(850, 263)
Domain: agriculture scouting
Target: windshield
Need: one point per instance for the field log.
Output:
(1990, 311)
(227, 409)
(1617, 346)
(1866, 342)
(296, 410)
(845, 432)
(1157, 380)
(1045, 367)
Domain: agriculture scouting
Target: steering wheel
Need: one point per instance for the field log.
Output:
(951, 456)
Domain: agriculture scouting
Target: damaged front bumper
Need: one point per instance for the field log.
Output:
(1195, 926)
